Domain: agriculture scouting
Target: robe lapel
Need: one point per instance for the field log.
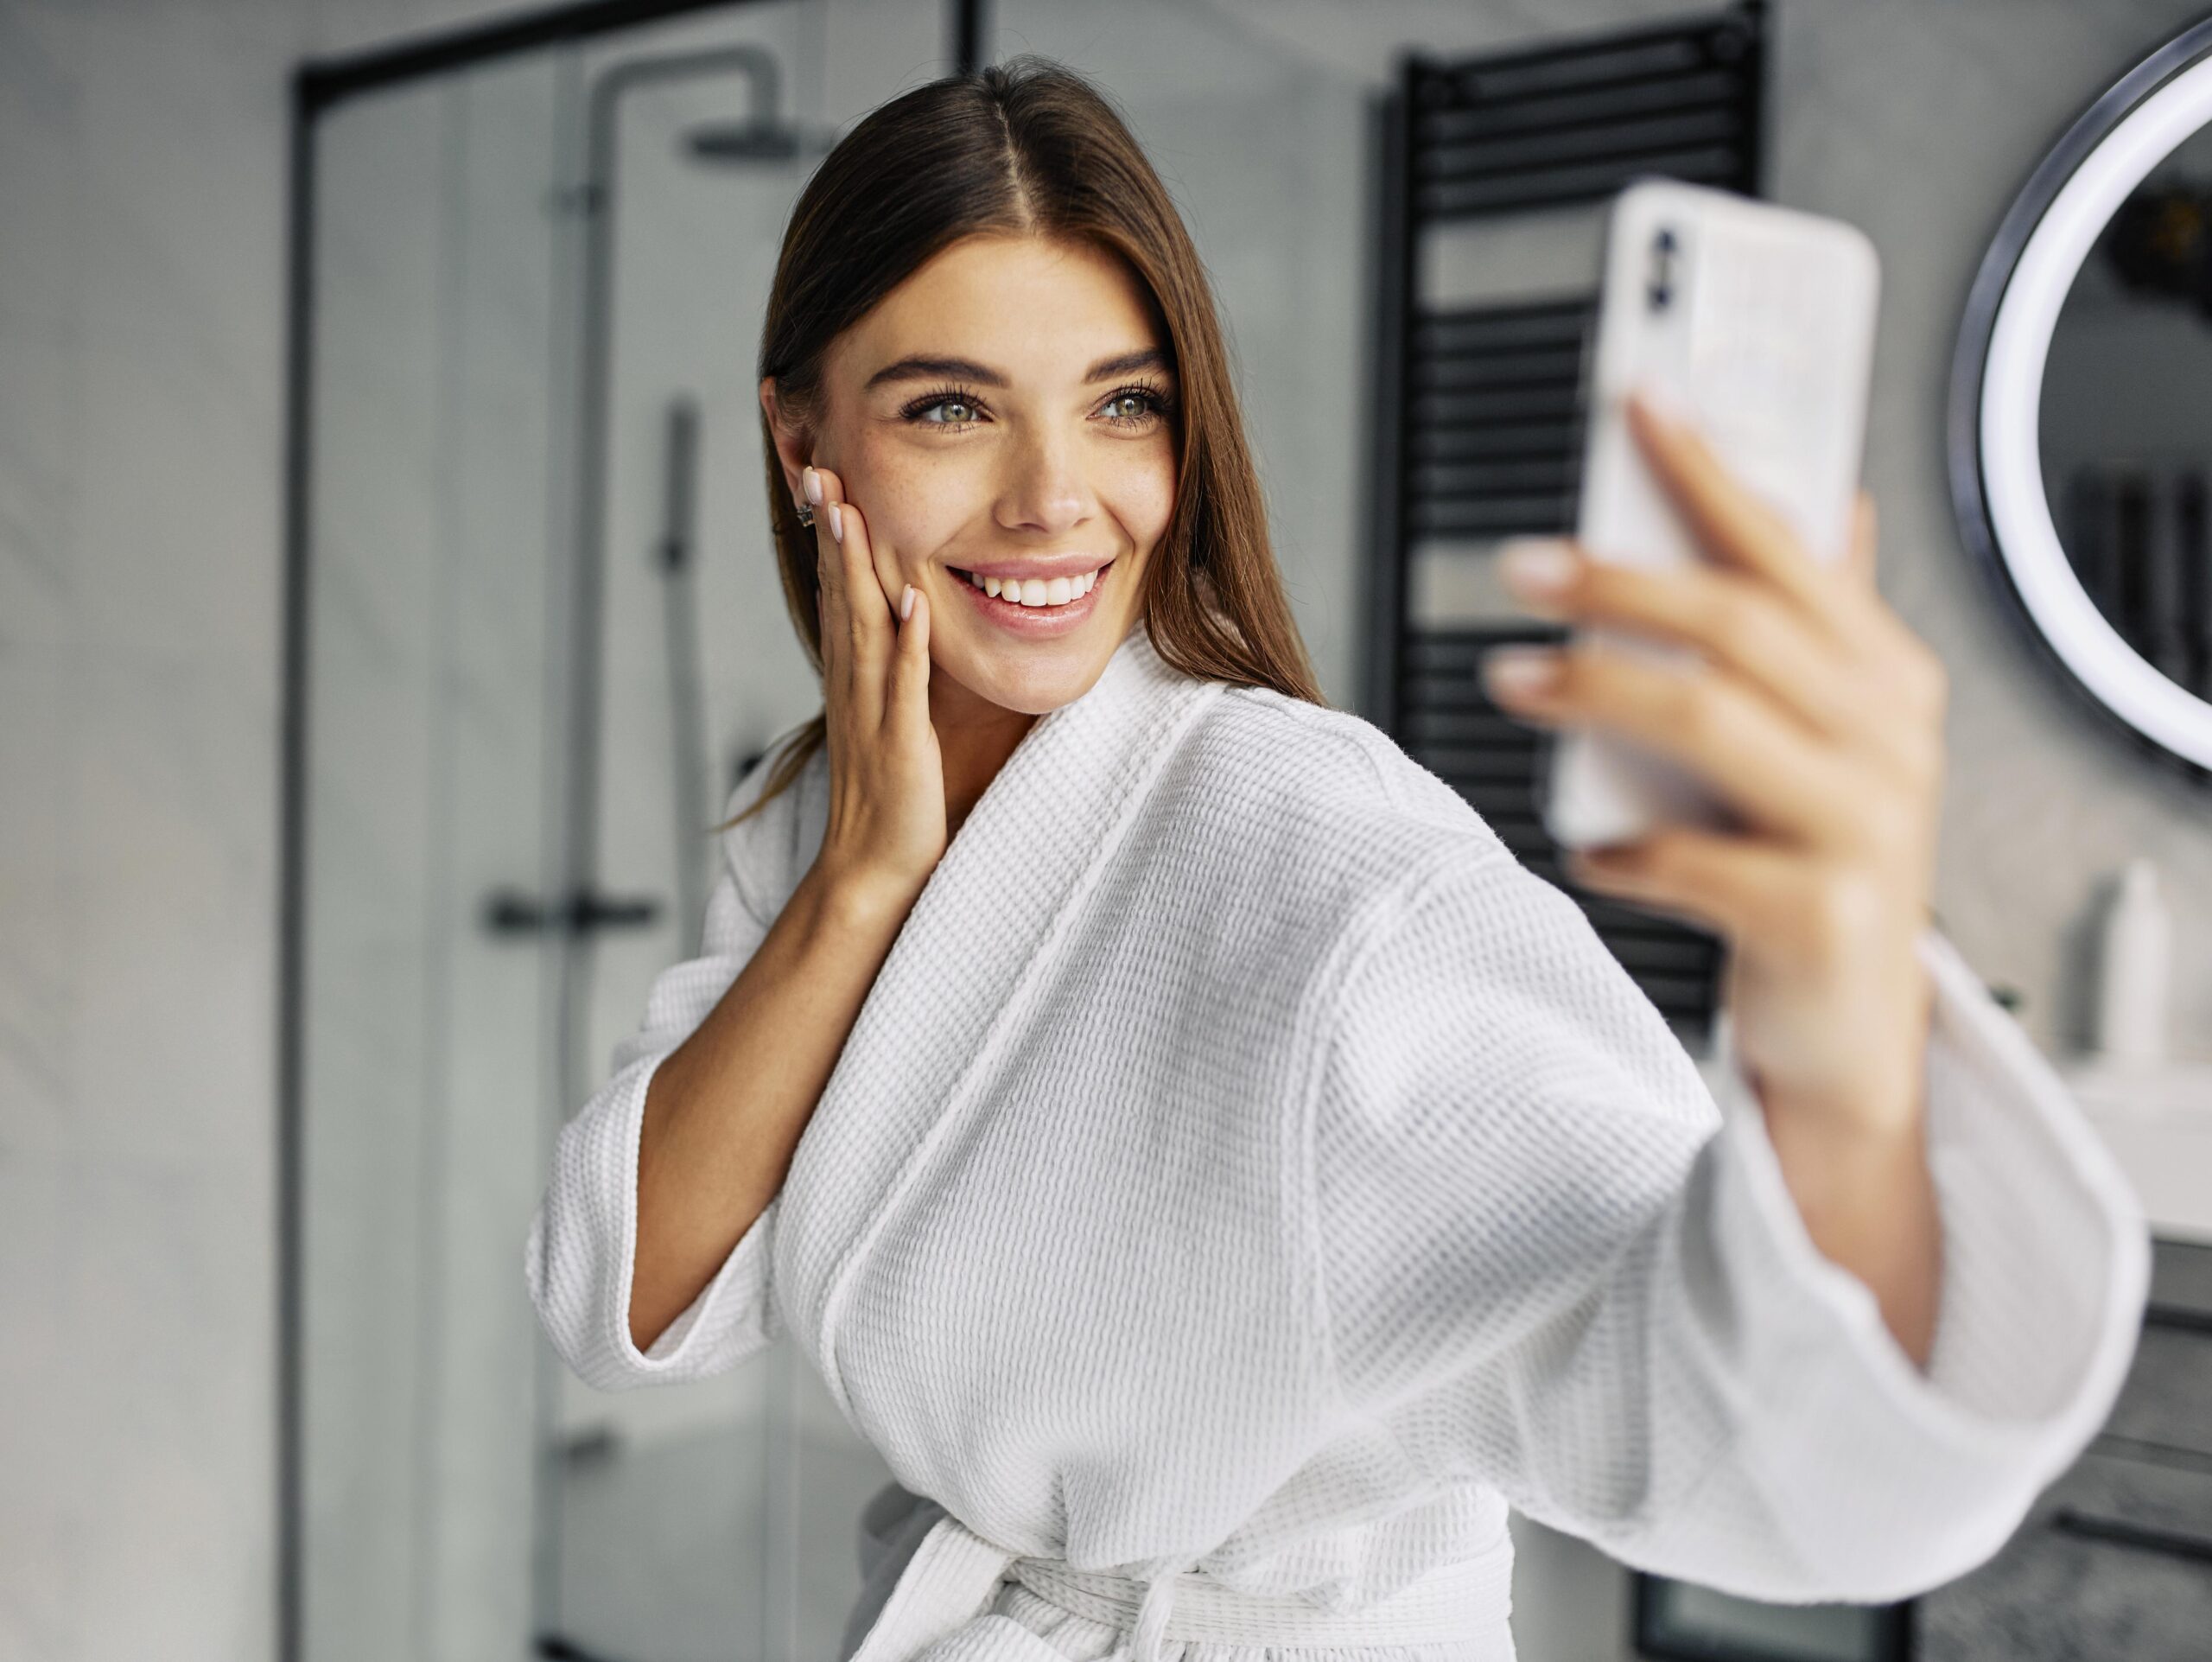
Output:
(950, 994)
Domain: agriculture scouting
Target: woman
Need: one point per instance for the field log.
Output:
(1218, 1177)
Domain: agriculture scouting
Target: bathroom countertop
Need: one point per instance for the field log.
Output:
(2157, 1123)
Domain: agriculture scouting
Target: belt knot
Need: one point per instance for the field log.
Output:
(1144, 1634)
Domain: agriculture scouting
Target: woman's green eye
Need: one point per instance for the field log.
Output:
(1134, 407)
(966, 411)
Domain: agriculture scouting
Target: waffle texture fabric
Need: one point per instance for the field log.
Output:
(1242, 1165)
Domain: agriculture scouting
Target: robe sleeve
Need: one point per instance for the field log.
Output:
(583, 1244)
(1553, 1263)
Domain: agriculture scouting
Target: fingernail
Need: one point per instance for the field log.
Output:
(906, 603)
(1537, 565)
(813, 483)
(1662, 403)
(1510, 670)
(836, 524)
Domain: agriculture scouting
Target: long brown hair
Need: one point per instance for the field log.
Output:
(1030, 147)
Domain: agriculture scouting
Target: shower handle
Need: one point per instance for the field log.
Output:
(510, 912)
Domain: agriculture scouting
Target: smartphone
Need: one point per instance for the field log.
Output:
(1756, 324)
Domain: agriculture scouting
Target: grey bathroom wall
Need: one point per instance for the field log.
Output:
(142, 219)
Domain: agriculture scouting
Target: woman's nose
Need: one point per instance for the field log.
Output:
(1045, 491)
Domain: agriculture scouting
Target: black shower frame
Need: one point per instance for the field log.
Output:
(317, 86)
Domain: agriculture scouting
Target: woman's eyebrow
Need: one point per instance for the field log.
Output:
(934, 369)
(1107, 369)
(966, 369)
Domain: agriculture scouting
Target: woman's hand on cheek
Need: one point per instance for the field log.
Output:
(887, 824)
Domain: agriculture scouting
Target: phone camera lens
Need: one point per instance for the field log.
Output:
(1664, 242)
(1660, 295)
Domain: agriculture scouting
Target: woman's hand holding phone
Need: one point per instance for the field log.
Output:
(1818, 717)
(886, 827)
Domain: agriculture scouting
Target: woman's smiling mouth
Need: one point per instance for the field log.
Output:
(1033, 605)
(1035, 591)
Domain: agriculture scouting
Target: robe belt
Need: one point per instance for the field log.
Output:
(953, 1579)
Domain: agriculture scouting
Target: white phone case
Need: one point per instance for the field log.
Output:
(1756, 323)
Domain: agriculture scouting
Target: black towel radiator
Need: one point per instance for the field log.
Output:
(1478, 408)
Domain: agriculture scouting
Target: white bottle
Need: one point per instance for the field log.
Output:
(2138, 957)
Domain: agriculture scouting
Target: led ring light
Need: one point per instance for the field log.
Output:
(1997, 462)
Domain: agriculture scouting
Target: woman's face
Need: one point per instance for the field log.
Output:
(1005, 412)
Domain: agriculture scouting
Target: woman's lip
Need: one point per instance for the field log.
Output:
(1035, 621)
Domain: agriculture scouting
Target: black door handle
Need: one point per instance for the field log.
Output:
(510, 912)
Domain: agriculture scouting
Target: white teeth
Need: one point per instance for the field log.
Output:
(1038, 591)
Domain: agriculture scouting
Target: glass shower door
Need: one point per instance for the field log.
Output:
(541, 631)
(428, 580)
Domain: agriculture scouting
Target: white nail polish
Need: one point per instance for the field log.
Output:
(1536, 567)
(813, 483)
(836, 524)
(1518, 670)
(906, 603)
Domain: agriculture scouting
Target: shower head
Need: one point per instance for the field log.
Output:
(728, 143)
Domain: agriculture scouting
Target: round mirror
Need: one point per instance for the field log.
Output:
(2081, 425)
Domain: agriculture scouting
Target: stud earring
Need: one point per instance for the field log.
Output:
(805, 512)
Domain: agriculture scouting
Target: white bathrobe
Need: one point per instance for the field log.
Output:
(1245, 1178)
